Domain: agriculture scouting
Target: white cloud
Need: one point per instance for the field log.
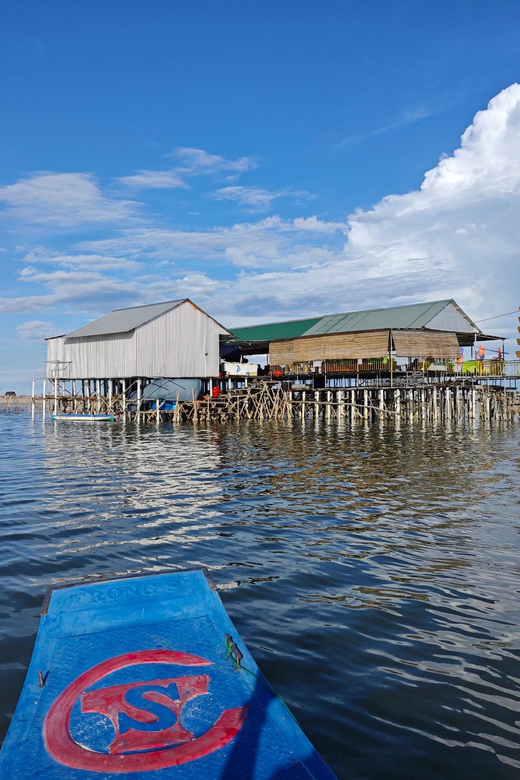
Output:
(464, 221)
(316, 225)
(256, 198)
(199, 161)
(267, 242)
(36, 330)
(83, 290)
(158, 180)
(65, 200)
(192, 162)
(88, 262)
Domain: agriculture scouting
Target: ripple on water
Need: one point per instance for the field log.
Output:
(373, 572)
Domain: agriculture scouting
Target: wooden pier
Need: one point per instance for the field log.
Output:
(267, 399)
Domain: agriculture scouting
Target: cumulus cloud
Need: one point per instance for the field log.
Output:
(464, 221)
(65, 200)
(192, 162)
(36, 330)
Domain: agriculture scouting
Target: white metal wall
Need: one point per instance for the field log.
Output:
(94, 357)
(183, 342)
(97, 357)
(56, 365)
(56, 349)
(450, 318)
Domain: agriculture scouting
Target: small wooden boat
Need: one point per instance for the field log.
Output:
(86, 417)
(147, 676)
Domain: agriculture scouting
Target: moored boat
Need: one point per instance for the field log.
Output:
(85, 417)
(148, 673)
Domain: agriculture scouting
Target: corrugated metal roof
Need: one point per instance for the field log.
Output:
(416, 315)
(275, 330)
(124, 320)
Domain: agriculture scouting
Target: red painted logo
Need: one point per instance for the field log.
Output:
(138, 750)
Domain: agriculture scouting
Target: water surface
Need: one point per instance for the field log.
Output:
(373, 572)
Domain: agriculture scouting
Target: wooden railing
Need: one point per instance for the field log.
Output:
(351, 366)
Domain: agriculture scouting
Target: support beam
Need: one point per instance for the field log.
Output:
(138, 401)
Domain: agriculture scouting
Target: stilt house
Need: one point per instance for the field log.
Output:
(168, 339)
(363, 340)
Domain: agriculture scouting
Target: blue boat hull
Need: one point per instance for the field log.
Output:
(147, 676)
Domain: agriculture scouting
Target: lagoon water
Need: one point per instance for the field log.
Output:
(374, 572)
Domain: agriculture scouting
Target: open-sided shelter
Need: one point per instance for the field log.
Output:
(433, 330)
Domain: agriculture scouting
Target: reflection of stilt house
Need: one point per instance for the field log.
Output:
(125, 351)
(369, 342)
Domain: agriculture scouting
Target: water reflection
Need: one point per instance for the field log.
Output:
(372, 570)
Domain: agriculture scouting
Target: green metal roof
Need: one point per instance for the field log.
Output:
(275, 330)
(416, 315)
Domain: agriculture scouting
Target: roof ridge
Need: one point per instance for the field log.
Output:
(344, 313)
(144, 305)
(389, 308)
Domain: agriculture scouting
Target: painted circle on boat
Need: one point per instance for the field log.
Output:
(159, 749)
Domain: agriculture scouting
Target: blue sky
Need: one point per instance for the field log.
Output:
(268, 160)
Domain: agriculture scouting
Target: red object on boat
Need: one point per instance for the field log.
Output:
(215, 392)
